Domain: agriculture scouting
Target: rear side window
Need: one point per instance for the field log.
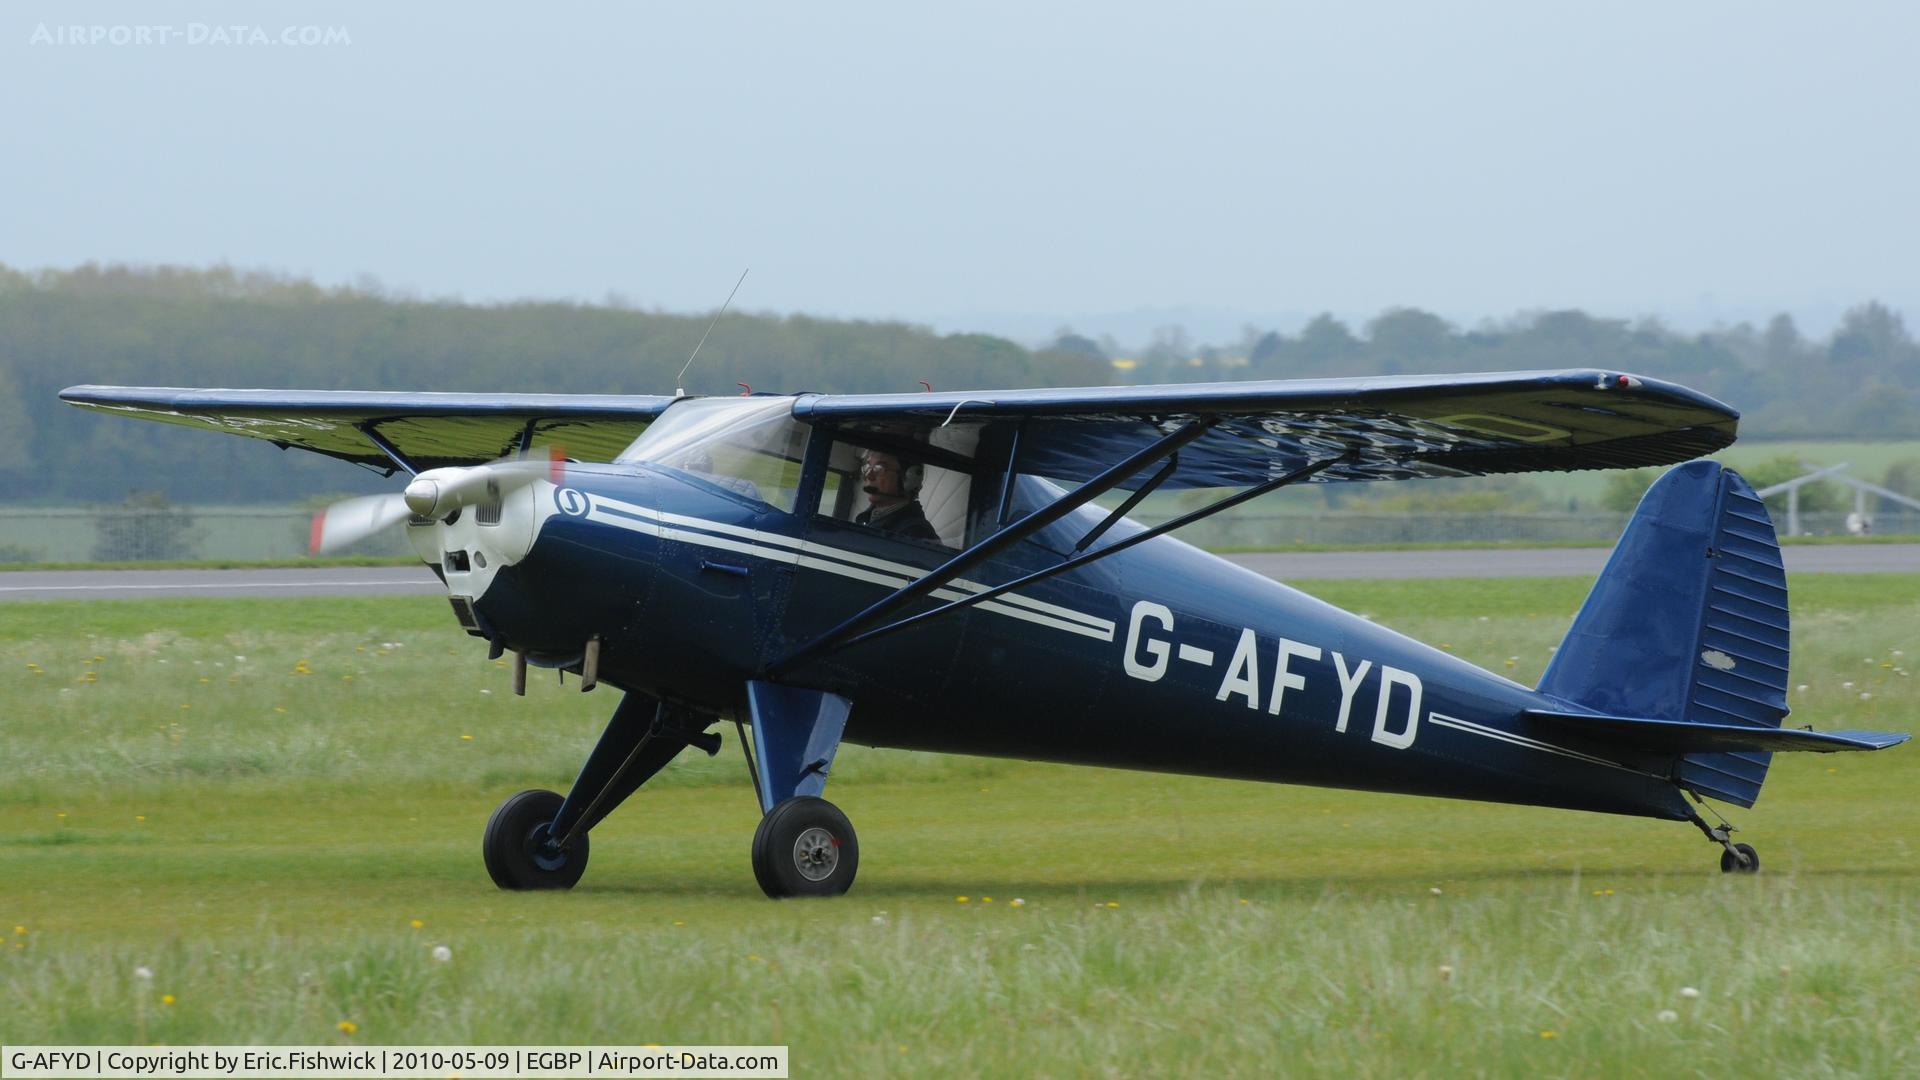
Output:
(902, 486)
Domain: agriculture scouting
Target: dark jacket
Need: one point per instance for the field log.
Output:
(906, 519)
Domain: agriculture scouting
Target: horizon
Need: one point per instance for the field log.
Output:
(1025, 328)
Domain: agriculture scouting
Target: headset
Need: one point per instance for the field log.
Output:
(911, 475)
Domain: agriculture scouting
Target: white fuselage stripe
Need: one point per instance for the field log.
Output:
(834, 561)
(858, 559)
(1485, 732)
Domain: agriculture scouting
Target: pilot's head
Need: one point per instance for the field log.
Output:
(883, 478)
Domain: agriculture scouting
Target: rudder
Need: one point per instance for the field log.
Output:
(1688, 622)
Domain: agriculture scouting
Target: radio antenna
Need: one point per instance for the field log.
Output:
(678, 390)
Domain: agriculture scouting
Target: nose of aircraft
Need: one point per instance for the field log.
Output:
(562, 562)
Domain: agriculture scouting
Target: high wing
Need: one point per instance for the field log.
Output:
(1387, 428)
(426, 430)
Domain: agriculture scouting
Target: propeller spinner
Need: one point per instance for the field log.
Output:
(434, 494)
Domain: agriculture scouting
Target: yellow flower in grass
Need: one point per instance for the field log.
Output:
(166, 999)
(347, 1027)
(1549, 1034)
(416, 924)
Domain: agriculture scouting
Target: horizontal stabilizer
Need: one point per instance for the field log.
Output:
(1686, 736)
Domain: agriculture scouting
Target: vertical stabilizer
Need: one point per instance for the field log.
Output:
(1688, 622)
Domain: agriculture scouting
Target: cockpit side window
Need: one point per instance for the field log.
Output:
(912, 488)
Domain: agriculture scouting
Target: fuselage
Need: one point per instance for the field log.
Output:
(1161, 657)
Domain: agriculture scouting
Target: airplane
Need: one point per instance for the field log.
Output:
(930, 571)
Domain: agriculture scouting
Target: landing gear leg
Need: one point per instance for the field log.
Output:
(804, 846)
(1736, 858)
(538, 840)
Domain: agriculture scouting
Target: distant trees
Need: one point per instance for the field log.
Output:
(1868, 333)
(1625, 487)
(1071, 344)
(1903, 477)
(227, 327)
(1818, 497)
(1326, 341)
(146, 526)
(1408, 339)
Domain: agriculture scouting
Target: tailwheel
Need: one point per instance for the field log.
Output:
(518, 849)
(805, 847)
(1734, 858)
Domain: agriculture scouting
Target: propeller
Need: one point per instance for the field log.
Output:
(350, 521)
(434, 494)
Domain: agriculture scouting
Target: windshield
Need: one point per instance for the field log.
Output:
(749, 446)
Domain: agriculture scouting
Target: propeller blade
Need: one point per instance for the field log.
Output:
(352, 520)
(437, 493)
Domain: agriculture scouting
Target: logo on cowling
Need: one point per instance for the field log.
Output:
(571, 501)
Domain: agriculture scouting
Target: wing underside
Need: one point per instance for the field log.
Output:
(429, 430)
(1393, 428)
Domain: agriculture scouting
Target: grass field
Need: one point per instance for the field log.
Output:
(276, 810)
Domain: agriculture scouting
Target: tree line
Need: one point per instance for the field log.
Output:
(226, 327)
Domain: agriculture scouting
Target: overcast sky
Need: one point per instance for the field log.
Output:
(1004, 167)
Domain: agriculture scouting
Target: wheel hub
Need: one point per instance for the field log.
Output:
(815, 854)
(546, 855)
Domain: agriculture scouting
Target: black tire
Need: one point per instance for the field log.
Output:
(805, 847)
(1731, 865)
(516, 837)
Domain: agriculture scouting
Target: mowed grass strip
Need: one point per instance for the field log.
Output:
(256, 801)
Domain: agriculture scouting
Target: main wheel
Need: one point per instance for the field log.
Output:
(1731, 865)
(516, 847)
(805, 847)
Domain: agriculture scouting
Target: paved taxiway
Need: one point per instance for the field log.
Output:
(1285, 566)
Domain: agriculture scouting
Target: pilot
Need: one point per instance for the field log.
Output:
(890, 489)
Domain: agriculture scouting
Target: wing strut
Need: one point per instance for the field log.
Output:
(993, 545)
(1133, 500)
(371, 430)
(1227, 503)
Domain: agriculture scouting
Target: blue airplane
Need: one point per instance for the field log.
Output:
(929, 571)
